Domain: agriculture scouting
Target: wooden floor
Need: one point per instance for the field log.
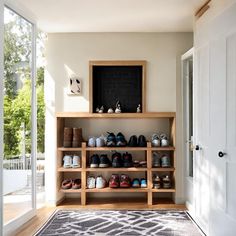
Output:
(44, 213)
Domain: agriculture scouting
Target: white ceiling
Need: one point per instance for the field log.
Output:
(113, 15)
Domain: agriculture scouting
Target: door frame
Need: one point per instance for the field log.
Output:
(188, 180)
(15, 224)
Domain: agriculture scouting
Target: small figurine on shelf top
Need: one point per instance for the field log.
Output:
(118, 107)
(110, 110)
(139, 109)
(101, 109)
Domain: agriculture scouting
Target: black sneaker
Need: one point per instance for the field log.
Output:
(111, 140)
(133, 141)
(127, 160)
(120, 140)
(104, 161)
(94, 161)
(142, 142)
(117, 160)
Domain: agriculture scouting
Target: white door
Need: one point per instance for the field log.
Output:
(215, 186)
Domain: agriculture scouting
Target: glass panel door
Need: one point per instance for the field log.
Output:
(18, 160)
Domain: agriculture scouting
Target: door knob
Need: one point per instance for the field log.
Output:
(221, 154)
(197, 147)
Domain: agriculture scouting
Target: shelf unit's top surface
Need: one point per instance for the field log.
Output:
(115, 115)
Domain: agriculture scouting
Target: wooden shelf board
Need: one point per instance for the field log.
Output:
(162, 190)
(131, 169)
(117, 190)
(61, 169)
(115, 115)
(70, 190)
(163, 148)
(163, 169)
(69, 149)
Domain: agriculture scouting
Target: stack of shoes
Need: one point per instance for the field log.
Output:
(127, 160)
(71, 184)
(122, 181)
(98, 182)
(102, 161)
(71, 161)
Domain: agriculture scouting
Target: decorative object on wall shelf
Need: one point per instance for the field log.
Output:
(74, 86)
(110, 110)
(139, 108)
(118, 107)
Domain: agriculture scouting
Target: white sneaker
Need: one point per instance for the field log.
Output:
(164, 140)
(67, 161)
(100, 182)
(100, 142)
(91, 182)
(76, 161)
(156, 142)
(92, 142)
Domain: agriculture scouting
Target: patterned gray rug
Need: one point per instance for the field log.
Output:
(126, 223)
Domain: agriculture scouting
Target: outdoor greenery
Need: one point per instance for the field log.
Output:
(17, 98)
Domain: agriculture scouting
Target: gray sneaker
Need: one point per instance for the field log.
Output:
(156, 142)
(156, 159)
(67, 159)
(165, 160)
(166, 182)
(76, 161)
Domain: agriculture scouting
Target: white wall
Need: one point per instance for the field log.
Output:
(70, 54)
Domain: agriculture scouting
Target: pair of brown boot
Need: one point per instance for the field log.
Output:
(72, 137)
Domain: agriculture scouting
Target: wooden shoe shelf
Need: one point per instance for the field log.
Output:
(63, 120)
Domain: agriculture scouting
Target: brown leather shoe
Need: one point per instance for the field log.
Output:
(77, 137)
(68, 134)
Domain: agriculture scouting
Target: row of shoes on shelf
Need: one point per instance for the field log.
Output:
(118, 140)
(160, 140)
(161, 182)
(115, 181)
(71, 184)
(117, 161)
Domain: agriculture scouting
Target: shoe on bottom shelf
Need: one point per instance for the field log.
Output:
(76, 184)
(114, 181)
(91, 182)
(135, 183)
(66, 184)
(94, 161)
(166, 182)
(104, 161)
(100, 182)
(143, 183)
(67, 159)
(76, 162)
(156, 182)
(125, 181)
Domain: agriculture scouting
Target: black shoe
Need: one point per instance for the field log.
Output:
(127, 160)
(94, 161)
(117, 160)
(104, 161)
(111, 140)
(142, 142)
(133, 141)
(120, 140)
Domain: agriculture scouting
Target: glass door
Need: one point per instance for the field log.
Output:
(19, 108)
